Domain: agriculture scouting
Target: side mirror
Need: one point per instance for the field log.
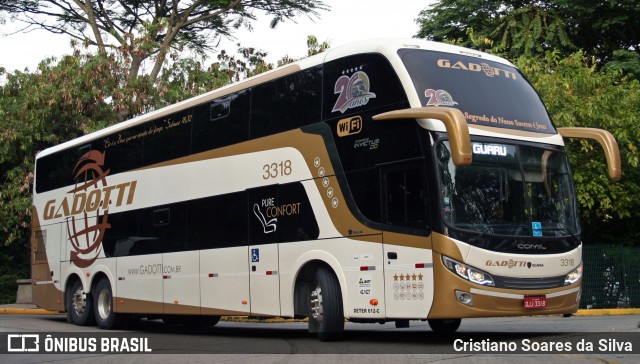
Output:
(606, 140)
(454, 122)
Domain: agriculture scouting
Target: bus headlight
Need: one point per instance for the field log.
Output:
(574, 276)
(468, 272)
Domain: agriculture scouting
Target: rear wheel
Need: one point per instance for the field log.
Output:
(444, 326)
(79, 305)
(327, 315)
(103, 307)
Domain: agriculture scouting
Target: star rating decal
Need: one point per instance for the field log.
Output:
(407, 277)
(408, 287)
(352, 70)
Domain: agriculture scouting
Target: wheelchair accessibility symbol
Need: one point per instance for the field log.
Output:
(255, 255)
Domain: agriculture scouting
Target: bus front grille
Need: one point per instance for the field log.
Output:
(528, 283)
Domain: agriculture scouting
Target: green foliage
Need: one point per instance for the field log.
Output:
(577, 94)
(313, 48)
(532, 27)
(625, 61)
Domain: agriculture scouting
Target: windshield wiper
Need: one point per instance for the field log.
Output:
(484, 230)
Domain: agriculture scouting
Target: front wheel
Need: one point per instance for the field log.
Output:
(327, 315)
(444, 326)
(103, 307)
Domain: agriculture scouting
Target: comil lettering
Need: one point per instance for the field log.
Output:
(91, 201)
(488, 149)
(475, 67)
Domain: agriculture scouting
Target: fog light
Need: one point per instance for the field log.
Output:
(464, 298)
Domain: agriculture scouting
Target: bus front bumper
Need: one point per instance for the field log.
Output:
(455, 297)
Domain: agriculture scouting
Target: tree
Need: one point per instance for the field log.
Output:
(532, 27)
(151, 29)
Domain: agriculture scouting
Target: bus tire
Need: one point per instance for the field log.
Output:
(444, 326)
(103, 307)
(327, 315)
(79, 305)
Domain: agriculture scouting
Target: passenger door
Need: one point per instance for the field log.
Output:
(264, 282)
(408, 267)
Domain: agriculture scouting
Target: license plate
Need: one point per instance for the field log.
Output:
(533, 302)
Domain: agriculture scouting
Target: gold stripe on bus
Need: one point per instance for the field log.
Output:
(311, 146)
(45, 295)
(406, 240)
(445, 246)
(130, 305)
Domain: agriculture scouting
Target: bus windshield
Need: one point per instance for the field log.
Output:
(509, 190)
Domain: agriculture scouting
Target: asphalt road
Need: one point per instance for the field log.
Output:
(613, 339)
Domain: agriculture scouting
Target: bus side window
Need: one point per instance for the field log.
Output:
(167, 138)
(223, 122)
(123, 150)
(163, 229)
(219, 109)
(404, 198)
(286, 103)
(218, 221)
(58, 169)
(365, 189)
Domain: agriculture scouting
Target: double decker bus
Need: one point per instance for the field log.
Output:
(387, 180)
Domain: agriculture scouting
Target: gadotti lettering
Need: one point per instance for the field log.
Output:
(506, 263)
(475, 67)
(81, 202)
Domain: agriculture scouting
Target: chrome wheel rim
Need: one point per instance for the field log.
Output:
(104, 304)
(316, 304)
(79, 302)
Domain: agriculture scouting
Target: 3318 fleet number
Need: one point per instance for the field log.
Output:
(275, 169)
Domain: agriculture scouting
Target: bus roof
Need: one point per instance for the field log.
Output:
(386, 47)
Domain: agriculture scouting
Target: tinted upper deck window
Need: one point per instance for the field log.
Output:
(488, 93)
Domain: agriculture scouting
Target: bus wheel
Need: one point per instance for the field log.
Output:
(327, 315)
(103, 307)
(444, 326)
(79, 305)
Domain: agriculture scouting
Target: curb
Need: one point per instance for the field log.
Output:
(591, 312)
(27, 311)
(608, 312)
